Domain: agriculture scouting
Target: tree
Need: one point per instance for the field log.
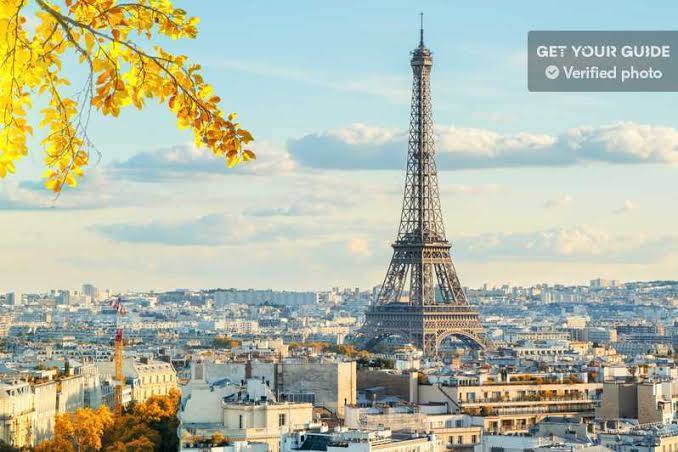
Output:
(143, 427)
(111, 39)
(225, 342)
(129, 432)
(78, 431)
(218, 439)
(346, 350)
(160, 412)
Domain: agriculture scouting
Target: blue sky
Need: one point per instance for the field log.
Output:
(536, 187)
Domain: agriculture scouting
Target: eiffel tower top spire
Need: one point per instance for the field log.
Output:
(421, 215)
(421, 30)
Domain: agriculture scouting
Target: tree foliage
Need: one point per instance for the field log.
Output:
(113, 41)
(375, 363)
(321, 347)
(225, 342)
(144, 427)
(79, 431)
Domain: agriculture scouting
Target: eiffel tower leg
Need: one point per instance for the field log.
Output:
(393, 283)
(428, 282)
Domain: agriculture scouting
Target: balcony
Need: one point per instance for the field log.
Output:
(536, 409)
(534, 399)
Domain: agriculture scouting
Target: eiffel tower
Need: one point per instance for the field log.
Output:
(421, 250)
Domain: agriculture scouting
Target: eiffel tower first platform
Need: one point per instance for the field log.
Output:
(421, 252)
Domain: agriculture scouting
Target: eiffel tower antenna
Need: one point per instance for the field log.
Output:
(435, 306)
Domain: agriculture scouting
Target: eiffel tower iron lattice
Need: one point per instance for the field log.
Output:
(421, 250)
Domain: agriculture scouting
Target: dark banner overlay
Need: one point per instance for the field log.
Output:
(580, 61)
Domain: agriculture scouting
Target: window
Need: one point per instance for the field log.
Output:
(459, 439)
(281, 419)
(474, 439)
(240, 421)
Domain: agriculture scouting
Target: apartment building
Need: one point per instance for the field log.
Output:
(383, 440)
(17, 411)
(650, 401)
(452, 431)
(330, 384)
(28, 410)
(658, 438)
(249, 413)
(511, 404)
(146, 378)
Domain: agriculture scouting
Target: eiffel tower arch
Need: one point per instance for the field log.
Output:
(422, 259)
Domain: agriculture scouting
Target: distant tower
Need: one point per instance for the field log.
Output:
(421, 251)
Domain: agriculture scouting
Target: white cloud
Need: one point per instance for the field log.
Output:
(561, 201)
(581, 244)
(17, 196)
(486, 142)
(360, 134)
(213, 229)
(358, 246)
(306, 206)
(98, 189)
(370, 147)
(628, 206)
(179, 161)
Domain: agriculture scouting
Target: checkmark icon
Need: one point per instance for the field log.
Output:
(552, 72)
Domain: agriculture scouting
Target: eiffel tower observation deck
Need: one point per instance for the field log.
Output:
(421, 259)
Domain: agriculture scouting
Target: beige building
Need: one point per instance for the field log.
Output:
(332, 383)
(452, 431)
(264, 422)
(16, 413)
(146, 377)
(5, 324)
(652, 439)
(250, 413)
(45, 410)
(649, 401)
(28, 410)
(153, 378)
(328, 383)
(515, 406)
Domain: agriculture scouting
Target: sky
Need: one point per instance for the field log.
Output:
(535, 187)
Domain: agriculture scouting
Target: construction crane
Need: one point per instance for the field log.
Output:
(118, 375)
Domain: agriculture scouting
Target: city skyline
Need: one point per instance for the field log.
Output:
(158, 295)
(535, 187)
